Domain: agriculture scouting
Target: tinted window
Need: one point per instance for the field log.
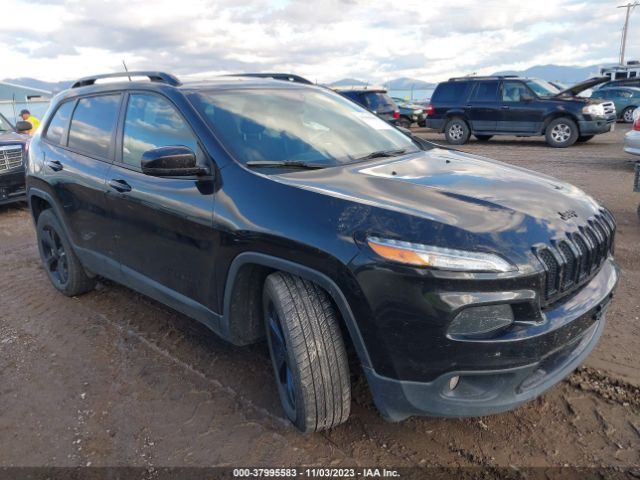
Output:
(93, 123)
(486, 91)
(59, 122)
(451, 92)
(152, 122)
(513, 91)
(378, 102)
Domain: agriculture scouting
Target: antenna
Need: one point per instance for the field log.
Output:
(126, 69)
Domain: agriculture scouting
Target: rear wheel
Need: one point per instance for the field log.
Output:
(584, 138)
(307, 352)
(58, 258)
(483, 138)
(561, 132)
(627, 114)
(456, 131)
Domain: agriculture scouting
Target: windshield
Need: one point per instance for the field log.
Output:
(297, 124)
(5, 126)
(542, 88)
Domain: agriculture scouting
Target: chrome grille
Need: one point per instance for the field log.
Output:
(609, 108)
(571, 261)
(10, 157)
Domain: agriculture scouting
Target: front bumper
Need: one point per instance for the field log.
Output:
(632, 142)
(12, 187)
(597, 125)
(566, 337)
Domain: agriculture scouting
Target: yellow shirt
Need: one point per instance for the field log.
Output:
(35, 123)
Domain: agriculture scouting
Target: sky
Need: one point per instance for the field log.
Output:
(323, 40)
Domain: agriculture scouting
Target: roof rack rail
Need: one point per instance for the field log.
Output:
(488, 77)
(160, 77)
(289, 77)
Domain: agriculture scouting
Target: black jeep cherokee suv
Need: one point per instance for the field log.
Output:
(274, 209)
(509, 105)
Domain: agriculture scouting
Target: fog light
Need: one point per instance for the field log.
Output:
(453, 382)
(481, 320)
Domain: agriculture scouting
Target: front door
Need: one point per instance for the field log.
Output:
(520, 109)
(164, 240)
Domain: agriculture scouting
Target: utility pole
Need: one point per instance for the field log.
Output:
(623, 43)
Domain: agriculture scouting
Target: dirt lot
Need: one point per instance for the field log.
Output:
(112, 378)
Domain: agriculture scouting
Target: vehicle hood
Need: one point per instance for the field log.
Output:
(12, 137)
(582, 86)
(482, 202)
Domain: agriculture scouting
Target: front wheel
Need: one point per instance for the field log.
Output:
(561, 132)
(456, 131)
(627, 114)
(60, 262)
(404, 122)
(307, 352)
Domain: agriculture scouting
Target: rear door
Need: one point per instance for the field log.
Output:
(78, 148)
(521, 111)
(483, 109)
(164, 235)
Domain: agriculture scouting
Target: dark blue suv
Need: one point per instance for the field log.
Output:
(524, 107)
(279, 211)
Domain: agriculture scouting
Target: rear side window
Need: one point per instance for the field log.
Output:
(378, 101)
(93, 124)
(59, 123)
(451, 92)
(152, 122)
(486, 91)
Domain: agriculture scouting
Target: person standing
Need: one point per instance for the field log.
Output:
(27, 117)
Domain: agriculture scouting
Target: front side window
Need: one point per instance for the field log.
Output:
(93, 124)
(308, 125)
(5, 126)
(152, 122)
(59, 123)
(514, 92)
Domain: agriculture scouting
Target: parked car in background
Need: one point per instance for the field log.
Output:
(625, 82)
(373, 98)
(626, 100)
(510, 105)
(632, 146)
(13, 147)
(410, 113)
(282, 211)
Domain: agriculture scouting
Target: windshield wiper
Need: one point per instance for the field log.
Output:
(284, 164)
(382, 153)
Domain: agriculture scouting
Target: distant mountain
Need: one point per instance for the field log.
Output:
(405, 83)
(42, 85)
(347, 82)
(556, 73)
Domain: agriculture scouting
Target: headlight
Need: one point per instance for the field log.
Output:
(596, 109)
(438, 257)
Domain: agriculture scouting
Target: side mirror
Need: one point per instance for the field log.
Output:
(526, 97)
(171, 161)
(23, 126)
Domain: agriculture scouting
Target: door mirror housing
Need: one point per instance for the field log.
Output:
(23, 126)
(526, 97)
(171, 161)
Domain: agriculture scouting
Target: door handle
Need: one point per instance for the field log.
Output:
(54, 165)
(505, 107)
(119, 185)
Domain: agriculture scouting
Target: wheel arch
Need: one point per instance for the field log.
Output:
(241, 322)
(455, 113)
(559, 114)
